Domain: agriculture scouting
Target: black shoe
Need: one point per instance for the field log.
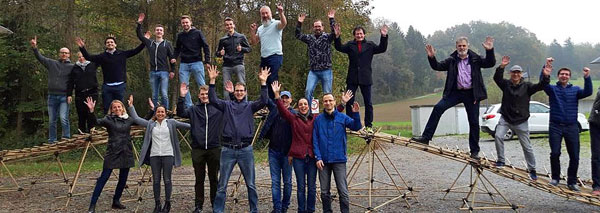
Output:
(117, 205)
(156, 207)
(167, 207)
(198, 209)
(475, 155)
(92, 208)
(421, 139)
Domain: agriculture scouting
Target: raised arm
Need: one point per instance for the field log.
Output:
(298, 32)
(253, 34)
(499, 74)
(182, 109)
(139, 31)
(587, 85)
(283, 112)
(45, 61)
(136, 119)
(490, 58)
(133, 52)
(383, 40)
(282, 19)
(543, 82)
(212, 94)
(433, 63)
(353, 123)
(331, 16)
(181, 125)
(264, 96)
(338, 41)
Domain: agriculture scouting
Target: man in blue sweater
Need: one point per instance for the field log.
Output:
(238, 130)
(564, 99)
(329, 146)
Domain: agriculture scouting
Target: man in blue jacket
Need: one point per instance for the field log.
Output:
(564, 98)
(238, 130)
(329, 146)
(206, 121)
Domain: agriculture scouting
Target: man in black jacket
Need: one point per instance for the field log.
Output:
(232, 48)
(360, 53)
(189, 46)
(114, 68)
(160, 51)
(83, 80)
(464, 84)
(516, 94)
(206, 120)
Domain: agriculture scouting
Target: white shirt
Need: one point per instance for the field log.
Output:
(270, 39)
(161, 140)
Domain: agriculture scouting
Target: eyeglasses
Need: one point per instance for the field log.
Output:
(65, 53)
(240, 90)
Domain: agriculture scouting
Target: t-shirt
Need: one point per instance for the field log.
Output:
(270, 39)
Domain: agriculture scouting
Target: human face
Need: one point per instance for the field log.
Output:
(160, 114)
(462, 47)
(80, 57)
(318, 27)
(286, 101)
(515, 76)
(328, 102)
(203, 96)
(359, 35)
(110, 44)
(303, 106)
(265, 14)
(64, 53)
(564, 76)
(117, 108)
(239, 92)
(186, 24)
(159, 32)
(230, 26)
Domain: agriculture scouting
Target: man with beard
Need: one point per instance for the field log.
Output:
(464, 84)
(269, 36)
(232, 48)
(319, 53)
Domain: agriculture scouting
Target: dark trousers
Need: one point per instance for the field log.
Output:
(162, 164)
(110, 93)
(570, 132)
(202, 158)
(455, 97)
(274, 62)
(595, 144)
(365, 90)
(84, 123)
(123, 173)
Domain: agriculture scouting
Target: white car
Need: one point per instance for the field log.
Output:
(539, 120)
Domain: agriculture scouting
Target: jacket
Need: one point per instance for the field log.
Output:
(319, 49)
(359, 68)
(302, 144)
(564, 101)
(515, 98)
(238, 116)
(475, 61)
(83, 80)
(172, 124)
(230, 42)
(58, 73)
(114, 66)
(329, 135)
(119, 150)
(277, 129)
(206, 121)
(595, 113)
(189, 45)
(159, 53)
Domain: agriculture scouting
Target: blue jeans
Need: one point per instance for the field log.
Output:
(185, 70)
(365, 90)
(279, 166)
(58, 106)
(110, 93)
(159, 81)
(123, 173)
(274, 62)
(326, 78)
(570, 133)
(454, 98)
(244, 157)
(306, 176)
(595, 145)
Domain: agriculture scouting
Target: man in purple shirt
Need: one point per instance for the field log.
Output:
(464, 84)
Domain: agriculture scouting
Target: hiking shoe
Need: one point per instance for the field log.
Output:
(475, 155)
(500, 165)
(421, 139)
(553, 182)
(573, 187)
(533, 175)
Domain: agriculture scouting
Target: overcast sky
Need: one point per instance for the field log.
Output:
(550, 19)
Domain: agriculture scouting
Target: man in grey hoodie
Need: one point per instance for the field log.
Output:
(58, 75)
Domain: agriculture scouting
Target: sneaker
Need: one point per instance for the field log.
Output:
(475, 155)
(421, 139)
(533, 175)
(500, 165)
(596, 192)
(553, 182)
(369, 130)
(573, 187)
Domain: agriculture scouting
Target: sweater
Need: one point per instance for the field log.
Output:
(189, 45)
(114, 66)
(159, 52)
(58, 73)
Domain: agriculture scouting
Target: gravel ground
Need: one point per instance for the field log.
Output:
(427, 173)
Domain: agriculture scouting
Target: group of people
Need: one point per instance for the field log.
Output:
(221, 128)
(465, 84)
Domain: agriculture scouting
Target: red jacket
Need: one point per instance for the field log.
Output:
(301, 132)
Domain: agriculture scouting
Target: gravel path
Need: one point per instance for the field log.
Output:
(428, 173)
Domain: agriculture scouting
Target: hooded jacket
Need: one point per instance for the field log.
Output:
(516, 97)
(206, 121)
(159, 53)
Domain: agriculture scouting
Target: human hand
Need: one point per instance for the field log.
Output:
(488, 44)
(263, 74)
(586, 72)
(384, 30)
(79, 42)
(320, 165)
(151, 104)
(33, 42)
(430, 50)
(141, 17)
(90, 103)
(331, 13)
(301, 17)
(347, 96)
(183, 90)
(505, 61)
(229, 87)
(355, 107)
(130, 101)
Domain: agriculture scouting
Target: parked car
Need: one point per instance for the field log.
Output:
(539, 120)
